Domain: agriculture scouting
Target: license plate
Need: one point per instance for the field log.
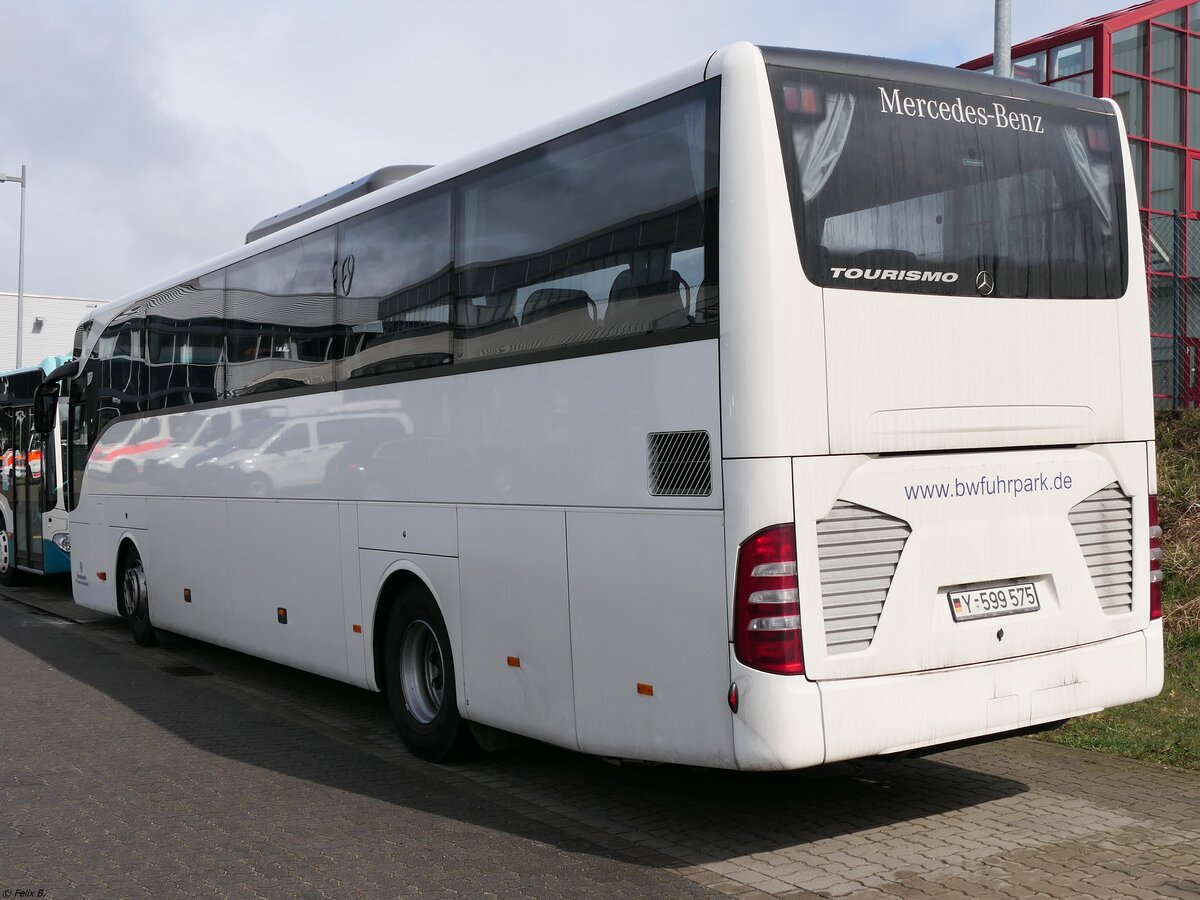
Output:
(997, 600)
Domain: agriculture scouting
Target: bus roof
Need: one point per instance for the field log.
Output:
(935, 76)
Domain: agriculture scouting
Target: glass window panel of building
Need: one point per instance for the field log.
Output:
(1166, 117)
(1137, 151)
(1130, 94)
(1166, 182)
(1129, 49)
(1030, 68)
(1071, 59)
(1176, 17)
(1166, 55)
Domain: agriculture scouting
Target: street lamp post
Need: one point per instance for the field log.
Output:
(20, 264)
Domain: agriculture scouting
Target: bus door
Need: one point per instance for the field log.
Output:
(8, 471)
(28, 478)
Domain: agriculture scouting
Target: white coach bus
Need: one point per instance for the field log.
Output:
(793, 408)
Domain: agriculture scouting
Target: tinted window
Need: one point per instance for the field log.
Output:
(121, 364)
(606, 232)
(394, 288)
(279, 315)
(185, 337)
(903, 187)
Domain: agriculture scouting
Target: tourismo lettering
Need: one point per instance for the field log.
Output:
(893, 275)
(999, 116)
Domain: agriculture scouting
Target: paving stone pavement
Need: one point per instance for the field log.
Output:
(243, 778)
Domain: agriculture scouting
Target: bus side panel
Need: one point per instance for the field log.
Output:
(648, 635)
(354, 603)
(188, 553)
(94, 550)
(285, 555)
(516, 621)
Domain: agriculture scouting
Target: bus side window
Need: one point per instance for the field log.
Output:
(284, 298)
(602, 234)
(393, 280)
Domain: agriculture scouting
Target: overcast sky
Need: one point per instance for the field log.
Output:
(157, 132)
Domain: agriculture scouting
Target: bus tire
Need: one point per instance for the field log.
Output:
(420, 679)
(10, 575)
(135, 599)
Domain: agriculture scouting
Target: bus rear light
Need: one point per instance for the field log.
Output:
(776, 623)
(1156, 555)
(770, 570)
(785, 596)
(766, 611)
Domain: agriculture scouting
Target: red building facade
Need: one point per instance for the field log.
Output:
(1147, 58)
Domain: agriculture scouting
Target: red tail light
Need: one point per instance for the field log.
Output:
(766, 605)
(1156, 554)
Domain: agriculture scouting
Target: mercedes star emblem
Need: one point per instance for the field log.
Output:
(984, 283)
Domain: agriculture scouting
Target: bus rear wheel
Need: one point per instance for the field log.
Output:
(135, 599)
(10, 575)
(420, 679)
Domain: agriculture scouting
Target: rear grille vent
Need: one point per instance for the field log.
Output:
(1103, 525)
(679, 464)
(859, 550)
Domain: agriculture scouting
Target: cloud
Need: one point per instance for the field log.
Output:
(157, 134)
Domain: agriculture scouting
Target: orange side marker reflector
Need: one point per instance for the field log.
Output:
(515, 662)
(281, 614)
(358, 629)
(187, 595)
(646, 690)
(103, 576)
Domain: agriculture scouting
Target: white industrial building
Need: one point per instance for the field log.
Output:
(48, 323)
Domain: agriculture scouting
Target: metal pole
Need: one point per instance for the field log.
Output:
(21, 274)
(1176, 319)
(1002, 54)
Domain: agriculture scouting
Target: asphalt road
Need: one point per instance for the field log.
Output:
(200, 772)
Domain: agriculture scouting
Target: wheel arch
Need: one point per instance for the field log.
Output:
(125, 544)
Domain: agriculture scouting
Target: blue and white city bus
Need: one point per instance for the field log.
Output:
(33, 503)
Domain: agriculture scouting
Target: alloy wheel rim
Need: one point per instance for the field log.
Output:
(422, 672)
(131, 591)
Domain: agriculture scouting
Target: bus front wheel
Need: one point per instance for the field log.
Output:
(10, 575)
(135, 599)
(420, 679)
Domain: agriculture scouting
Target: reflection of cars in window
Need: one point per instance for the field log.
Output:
(368, 470)
(126, 460)
(282, 456)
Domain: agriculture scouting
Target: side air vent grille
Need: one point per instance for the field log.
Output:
(1103, 525)
(679, 464)
(859, 550)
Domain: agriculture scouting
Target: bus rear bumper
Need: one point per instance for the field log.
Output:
(787, 722)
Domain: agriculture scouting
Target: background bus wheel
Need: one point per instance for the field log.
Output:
(420, 679)
(135, 599)
(10, 575)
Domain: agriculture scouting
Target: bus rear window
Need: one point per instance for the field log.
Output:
(918, 189)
